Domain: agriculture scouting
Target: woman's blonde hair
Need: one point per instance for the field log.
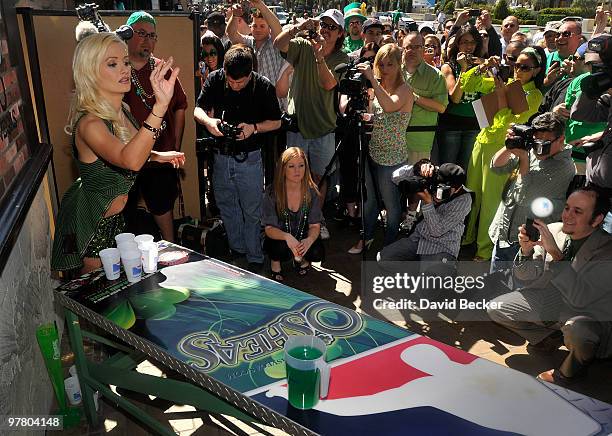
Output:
(394, 53)
(86, 62)
(280, 186)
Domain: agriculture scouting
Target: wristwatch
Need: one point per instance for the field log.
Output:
(255, 129)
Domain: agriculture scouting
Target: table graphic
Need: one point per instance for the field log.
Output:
(232, 324)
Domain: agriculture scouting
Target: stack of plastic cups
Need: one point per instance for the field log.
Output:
(148, 251)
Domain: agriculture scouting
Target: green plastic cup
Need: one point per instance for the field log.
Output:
(307, 371)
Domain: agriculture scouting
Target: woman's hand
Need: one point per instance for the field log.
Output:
(462, 60)
(492, 62)
(366, 70)
(176, 158)
(294, 245)
(306, 244)
(163, 88)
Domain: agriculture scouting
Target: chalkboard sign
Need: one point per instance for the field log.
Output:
(23, 159)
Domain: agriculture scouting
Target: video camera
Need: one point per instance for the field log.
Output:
(410, 181)
(89, 13)
(354, 83)
(601, 78)
(524, 140)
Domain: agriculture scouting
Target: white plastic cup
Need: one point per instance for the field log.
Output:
(111, 261)
(149, 256)
(127, 246)
(124, 237)
(143, 238)
(132, 264)
(73, 390)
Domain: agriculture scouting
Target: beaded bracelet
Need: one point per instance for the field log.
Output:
(156, 131)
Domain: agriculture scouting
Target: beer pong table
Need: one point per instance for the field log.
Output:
(223, 330)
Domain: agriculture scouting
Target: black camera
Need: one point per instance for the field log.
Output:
(354, 83)
(230, 131)
(418, 183)
(289, 122)
(474, 12)
(524, 140)
(89, 12)
(600, 79)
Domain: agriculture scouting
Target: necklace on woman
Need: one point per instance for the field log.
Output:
(140, 92)
(301, 222)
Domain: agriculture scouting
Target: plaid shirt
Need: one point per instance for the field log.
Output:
(269, 59)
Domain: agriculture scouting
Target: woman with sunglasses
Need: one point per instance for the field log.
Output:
(487, 185)
(458, 126)
(391, 106)
(433, 51)
(211, 56)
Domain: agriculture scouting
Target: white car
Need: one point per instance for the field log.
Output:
(283, 17)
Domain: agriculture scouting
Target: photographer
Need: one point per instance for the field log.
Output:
(484, 22)
(391, 106)
(540, 166)
(240, 97)
(595, 107)
(437, 236)
(569, 275)
(311, 94)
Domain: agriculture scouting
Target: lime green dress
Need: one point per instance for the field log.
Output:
(80, 221)
(486, 184)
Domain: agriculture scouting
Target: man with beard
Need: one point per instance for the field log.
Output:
(372, 31)
(353, 20)
(156, 184)
(311, 95)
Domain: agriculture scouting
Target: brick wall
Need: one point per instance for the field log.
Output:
(26, 301)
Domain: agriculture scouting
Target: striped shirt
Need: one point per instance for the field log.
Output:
(269, 59)
(441, 229)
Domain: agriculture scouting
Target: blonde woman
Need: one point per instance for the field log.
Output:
(391, 106)
(108, 146)
(292, 215)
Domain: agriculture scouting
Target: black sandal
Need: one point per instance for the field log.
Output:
(277, 276)
(301, 269)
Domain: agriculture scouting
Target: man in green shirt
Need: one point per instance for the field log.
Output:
(568, 41)
(430, 98)
(353, 20)
(311, 94)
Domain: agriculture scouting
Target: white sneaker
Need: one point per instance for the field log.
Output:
(324, 233)
(409, 221)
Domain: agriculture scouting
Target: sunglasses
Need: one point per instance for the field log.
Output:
(565, 34)
(142, 34)
(331, 27)
(524, 67)
(206, 54)
(510, 58)
(430, 46)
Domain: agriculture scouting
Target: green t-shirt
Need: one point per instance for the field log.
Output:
(578, 129)
(427, 82)
(350, 45)
(313, 105)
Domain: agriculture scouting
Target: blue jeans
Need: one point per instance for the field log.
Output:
(607, 224)
(389, 194)
(502, 258)
(239, 192)
(319, 151)
(456, 146)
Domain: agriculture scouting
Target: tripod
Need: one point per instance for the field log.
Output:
(353, 122)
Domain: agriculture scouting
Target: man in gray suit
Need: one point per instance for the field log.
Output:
(568, 273)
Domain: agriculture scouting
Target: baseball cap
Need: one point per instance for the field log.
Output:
(215, 18)
(451, 174)
(140, 16)
(335, 15)
(552, 26)
(372, 22)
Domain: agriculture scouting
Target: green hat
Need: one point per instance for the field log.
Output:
(354, 5)
(139, 16)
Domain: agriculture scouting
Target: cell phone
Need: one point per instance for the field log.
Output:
(504, 73)
(474, 12)
(554, 64)
(532, 232)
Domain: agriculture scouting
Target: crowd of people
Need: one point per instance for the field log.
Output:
(421, 117)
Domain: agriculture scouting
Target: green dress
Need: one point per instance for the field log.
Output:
(81, 213)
